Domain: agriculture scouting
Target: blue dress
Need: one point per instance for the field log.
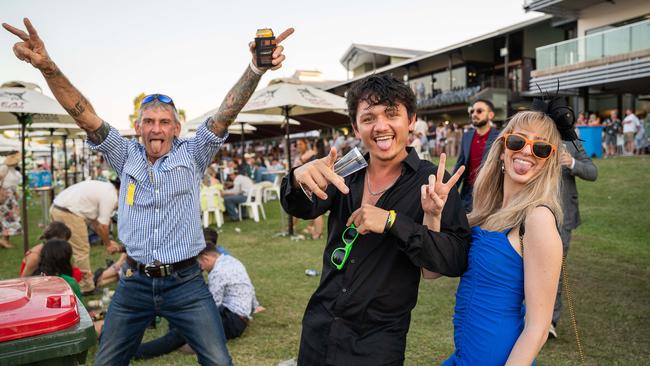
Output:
(489, 312)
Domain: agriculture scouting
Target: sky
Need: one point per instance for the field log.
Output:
(194, 51)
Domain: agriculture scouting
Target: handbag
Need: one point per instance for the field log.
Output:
(566, 291)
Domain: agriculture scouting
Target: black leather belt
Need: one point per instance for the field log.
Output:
(157, 269)
(62, 209)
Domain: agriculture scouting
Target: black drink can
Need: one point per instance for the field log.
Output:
(264, 47)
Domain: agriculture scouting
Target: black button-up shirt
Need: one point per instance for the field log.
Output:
(360, 315)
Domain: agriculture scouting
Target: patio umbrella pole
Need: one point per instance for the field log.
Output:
(76, 166)
(23, 119)
(83, 160)
(65, 160)
(288, 146)
(52, 163)
(243, 150)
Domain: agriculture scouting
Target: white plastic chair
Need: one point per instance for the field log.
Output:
(273, 192)
(425, 155)
(253, 204)
(209, 194)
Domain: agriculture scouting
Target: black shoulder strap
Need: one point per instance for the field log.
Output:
(522, 229)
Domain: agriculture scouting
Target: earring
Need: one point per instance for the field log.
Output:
(503, 167)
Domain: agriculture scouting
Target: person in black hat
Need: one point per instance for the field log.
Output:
(516, 249)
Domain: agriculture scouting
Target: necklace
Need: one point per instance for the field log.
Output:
(380, 192)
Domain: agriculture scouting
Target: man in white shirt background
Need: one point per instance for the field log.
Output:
(237, 194)
(631, 125)
(89, 201)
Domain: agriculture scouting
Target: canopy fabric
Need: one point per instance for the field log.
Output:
(301, 99)
(27, 101)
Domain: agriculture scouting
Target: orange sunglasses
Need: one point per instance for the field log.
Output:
(540, 148)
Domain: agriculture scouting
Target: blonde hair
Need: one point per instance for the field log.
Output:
(542, 189)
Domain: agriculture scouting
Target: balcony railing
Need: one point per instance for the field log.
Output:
(449, 97)
(630, 38)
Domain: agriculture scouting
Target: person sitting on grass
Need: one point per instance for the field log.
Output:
(110, 274)
(55, 260)
(231, 289)
(32, 259)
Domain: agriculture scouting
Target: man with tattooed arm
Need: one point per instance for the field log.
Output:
(158, 205)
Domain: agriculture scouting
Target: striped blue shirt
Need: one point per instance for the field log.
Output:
(160, 219)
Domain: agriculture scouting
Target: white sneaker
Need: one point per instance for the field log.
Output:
(552, 332)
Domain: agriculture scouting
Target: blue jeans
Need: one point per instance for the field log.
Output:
(182, 298)
(233, 327)
(231, 203)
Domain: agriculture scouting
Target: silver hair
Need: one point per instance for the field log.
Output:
(158, 104)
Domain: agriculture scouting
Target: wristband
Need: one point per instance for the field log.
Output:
(390, 220)
(255, 70)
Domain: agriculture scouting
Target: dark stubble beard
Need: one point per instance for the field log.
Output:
(479, 124)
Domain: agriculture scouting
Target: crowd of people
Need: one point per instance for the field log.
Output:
(620, 137)
(501, 221)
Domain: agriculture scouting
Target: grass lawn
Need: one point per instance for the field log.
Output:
(609, 266)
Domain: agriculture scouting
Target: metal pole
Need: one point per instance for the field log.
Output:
(243, 150)
(52, 164)
(83, 160)
(288, 146)
(76, 166)
(65, 160)
(23, 119)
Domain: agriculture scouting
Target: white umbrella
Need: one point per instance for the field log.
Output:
(21, 103)
(301, 99)
(253, 119)
(242, 119)
(7, 144)
(232, 129)
(288, 98)
(52, 129)
(17, 101)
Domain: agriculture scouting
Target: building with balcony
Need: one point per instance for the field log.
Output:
(495, 66)
(359, 59)
(604, 64)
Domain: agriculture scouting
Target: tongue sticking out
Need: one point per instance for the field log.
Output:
(384, 144)
(156, 145)
(520, 167)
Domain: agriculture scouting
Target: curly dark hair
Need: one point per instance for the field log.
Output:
(55, 258)
(380, 90)
(56, 230)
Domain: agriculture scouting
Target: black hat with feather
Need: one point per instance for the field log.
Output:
(557, 108)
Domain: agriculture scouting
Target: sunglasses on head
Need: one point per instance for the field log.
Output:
(540, 148)
(160, 97)
(340, 255)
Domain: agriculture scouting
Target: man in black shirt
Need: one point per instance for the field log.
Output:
(360, 313)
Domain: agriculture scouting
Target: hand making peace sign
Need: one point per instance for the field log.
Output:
(434, 195)
(31, 49)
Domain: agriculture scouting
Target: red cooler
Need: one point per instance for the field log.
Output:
(42, 322)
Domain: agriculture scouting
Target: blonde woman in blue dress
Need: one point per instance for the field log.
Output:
(504, 302)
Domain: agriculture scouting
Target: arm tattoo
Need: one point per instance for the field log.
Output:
(77, 110)
(52, 74)
(99, 135)
(234, 102)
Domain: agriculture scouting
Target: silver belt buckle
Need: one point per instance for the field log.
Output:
(165, 269)
(146, 269)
